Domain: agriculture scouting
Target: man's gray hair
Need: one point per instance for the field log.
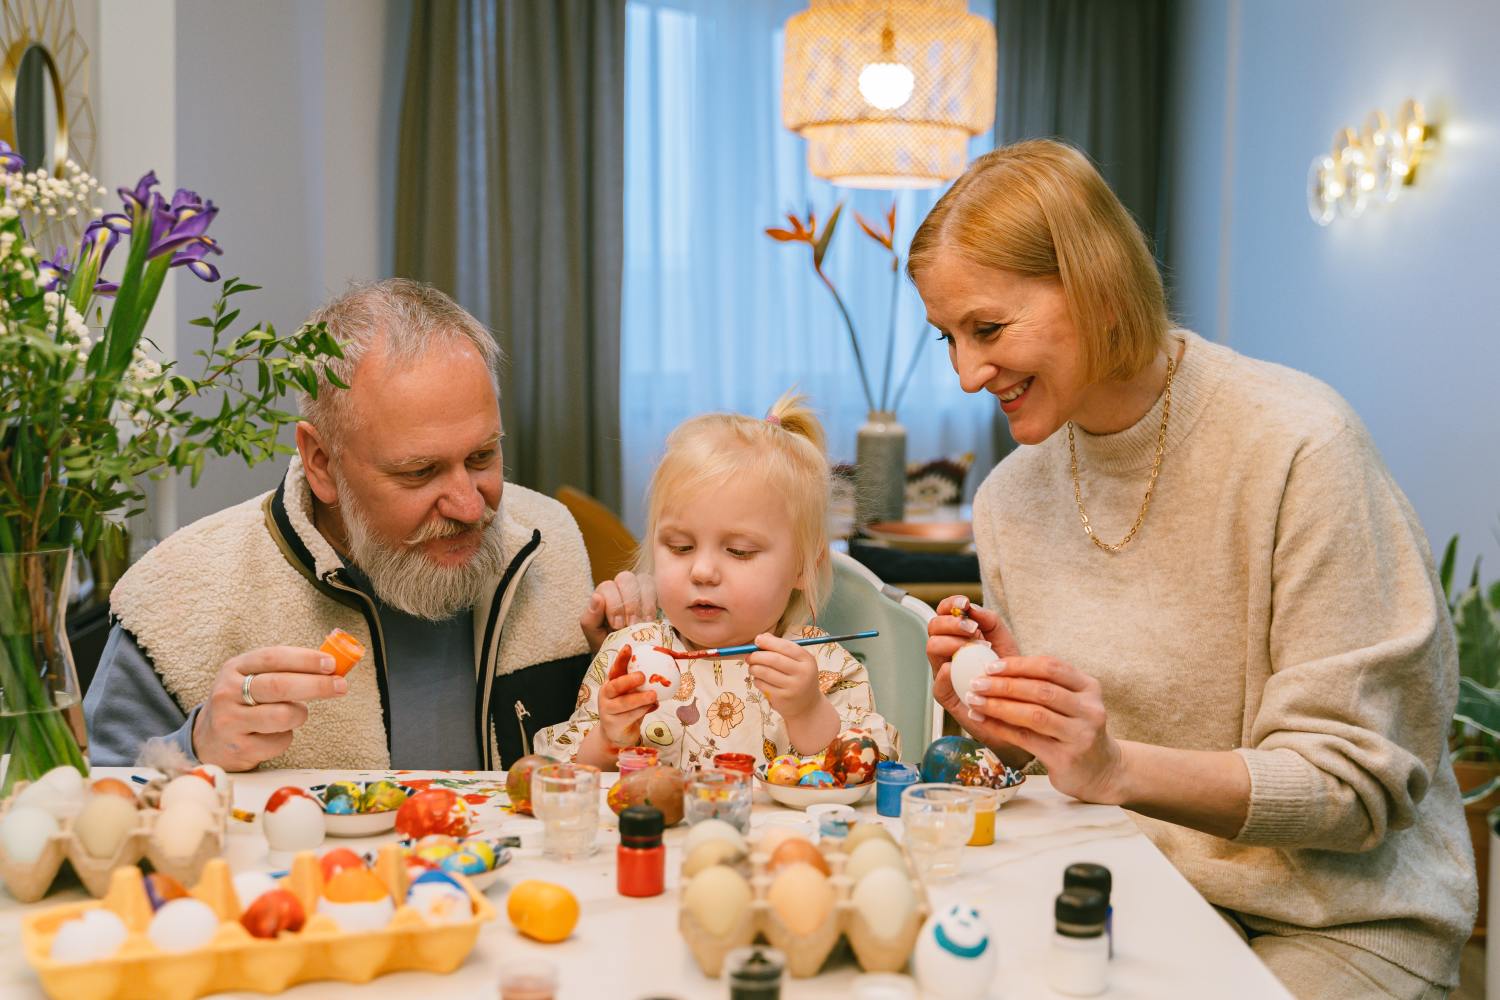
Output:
(406, 319)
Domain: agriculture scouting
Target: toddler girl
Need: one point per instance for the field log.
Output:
(737, 540)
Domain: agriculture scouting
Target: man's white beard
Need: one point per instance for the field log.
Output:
(406, 579)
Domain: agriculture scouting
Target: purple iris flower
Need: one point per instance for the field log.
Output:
(98, 241)
(139, 199)
(51, 271)
(191, 257)
(179, 224)
(10, 160)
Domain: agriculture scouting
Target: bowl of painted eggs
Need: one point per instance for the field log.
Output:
(843, 773)
(959, 760)
(360, 809)
(479, 860)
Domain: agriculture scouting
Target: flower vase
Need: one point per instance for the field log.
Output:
(41, 710)
(880, 469)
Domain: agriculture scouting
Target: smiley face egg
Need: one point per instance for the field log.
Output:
(439, 899)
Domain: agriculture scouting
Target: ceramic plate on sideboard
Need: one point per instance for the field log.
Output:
(923, 536)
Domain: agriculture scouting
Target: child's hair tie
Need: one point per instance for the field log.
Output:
(773, 419)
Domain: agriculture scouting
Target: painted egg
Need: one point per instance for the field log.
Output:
(337, 860)
(663, 675)
(784, 770)
(712, 829)
(710, 853)
(432, 849)
(162, 889)
(106, 822)
(180, 830)
(797, 851)
(816, 779)
(439, 899)
(437, 810)
(658, 785)
(955, 957)
(382, 796)
(872, 854)
(99, 933)
(802, 897)
(960, 760)
(464, 862)
(518, 781)
(542, 910)
(340, 805)
(114, 786)
(189, 788)
(851, 757)
(482, 849)
(969, 664)
(367, 915)
(273, 912)
(293, 820)
(60, 792)
(884, 898)
(342, 797)
(717, 897)
(250, 886)
(355, 885)
(183, 925)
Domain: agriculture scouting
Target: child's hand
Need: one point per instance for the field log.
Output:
(621, 705)
(788, 675)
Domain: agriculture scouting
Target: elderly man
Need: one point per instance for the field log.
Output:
(389, 525)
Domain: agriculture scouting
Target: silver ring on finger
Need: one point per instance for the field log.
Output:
(245, 695)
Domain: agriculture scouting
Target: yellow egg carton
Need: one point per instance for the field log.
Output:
(806, 953)
(29, 881)
(234, 960)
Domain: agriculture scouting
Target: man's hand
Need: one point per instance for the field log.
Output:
(237, 736)
(625, 600)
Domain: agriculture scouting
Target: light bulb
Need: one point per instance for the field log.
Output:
(1386, 149)
(1323, 189)
(1356, 179)
(886, 85)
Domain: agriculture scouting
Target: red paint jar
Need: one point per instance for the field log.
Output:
(640, 860)
(741, 762)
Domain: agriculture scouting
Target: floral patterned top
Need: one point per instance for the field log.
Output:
(718, 708)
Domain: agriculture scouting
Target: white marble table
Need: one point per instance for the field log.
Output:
(1168, 941)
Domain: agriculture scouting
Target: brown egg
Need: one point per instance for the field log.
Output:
(802, 897)
(797, 851)
(114, 786)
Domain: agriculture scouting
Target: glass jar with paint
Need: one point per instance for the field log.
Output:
(986, 804)
(640, 860)
(635, 759)
(1086, 875)
(712, 793)
(1078, 962)
(754, 973)
(891, 779)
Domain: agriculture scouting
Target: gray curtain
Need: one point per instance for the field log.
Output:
(1092, 73)
(511, 199)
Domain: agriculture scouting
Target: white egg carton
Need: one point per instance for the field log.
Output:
(806, 953)
(29, 881)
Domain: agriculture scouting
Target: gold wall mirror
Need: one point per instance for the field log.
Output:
(45, 113)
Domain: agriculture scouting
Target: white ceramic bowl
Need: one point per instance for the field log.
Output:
(359, 824)
(802, 796)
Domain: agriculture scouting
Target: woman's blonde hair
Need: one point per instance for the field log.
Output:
(1039, 208)
(786, 450)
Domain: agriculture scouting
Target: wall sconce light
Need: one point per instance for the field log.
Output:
(1373, 164)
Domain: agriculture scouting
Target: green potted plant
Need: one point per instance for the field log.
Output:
(1475, 739)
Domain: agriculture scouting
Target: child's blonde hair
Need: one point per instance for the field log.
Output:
(787, 449)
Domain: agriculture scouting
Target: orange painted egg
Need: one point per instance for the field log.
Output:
(114, 786)
(337, 860)
(355, 885)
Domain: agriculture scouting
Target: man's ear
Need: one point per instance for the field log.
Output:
(316, 458)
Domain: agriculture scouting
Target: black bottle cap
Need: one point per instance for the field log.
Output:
(641, 826)
(1080, 912)
(1088, 876)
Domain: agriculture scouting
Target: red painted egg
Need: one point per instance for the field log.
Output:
(286, 792)
(337, 860)
(851, 757)
(437, 810)
(273, 912)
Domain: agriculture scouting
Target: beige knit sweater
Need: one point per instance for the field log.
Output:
(1280, 601)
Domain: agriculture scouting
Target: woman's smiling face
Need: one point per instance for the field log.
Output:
(1010, 335)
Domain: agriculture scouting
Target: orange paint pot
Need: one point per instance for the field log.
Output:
(346, 651)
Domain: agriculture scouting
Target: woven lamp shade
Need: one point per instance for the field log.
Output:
(923, 142)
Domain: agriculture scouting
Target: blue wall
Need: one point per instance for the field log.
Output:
(1399, 310)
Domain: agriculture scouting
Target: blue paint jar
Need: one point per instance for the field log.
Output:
(891, 779)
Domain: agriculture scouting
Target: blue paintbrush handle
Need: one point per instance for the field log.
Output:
(816, 640)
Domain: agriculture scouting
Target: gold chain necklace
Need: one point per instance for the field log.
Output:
(1161, 447)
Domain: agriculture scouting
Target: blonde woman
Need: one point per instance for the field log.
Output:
(737, 541)
(1213, 605)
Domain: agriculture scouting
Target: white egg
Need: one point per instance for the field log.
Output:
(663, 675)
(250, 886)
(970, 663)
(872, 854)
(105, 823)
(189, 788)
(717, 897)
(712, 829)
(885, 899)
(440, 903)
(297, 825)
(183, 925)
(367, 916)
(99, 933)
(60, 791)
(179, 830)
(956, 955)
(24, 832)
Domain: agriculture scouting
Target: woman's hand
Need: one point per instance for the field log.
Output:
(946, 635)
(622, 705)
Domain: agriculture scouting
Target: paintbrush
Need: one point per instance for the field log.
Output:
(750, 647)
